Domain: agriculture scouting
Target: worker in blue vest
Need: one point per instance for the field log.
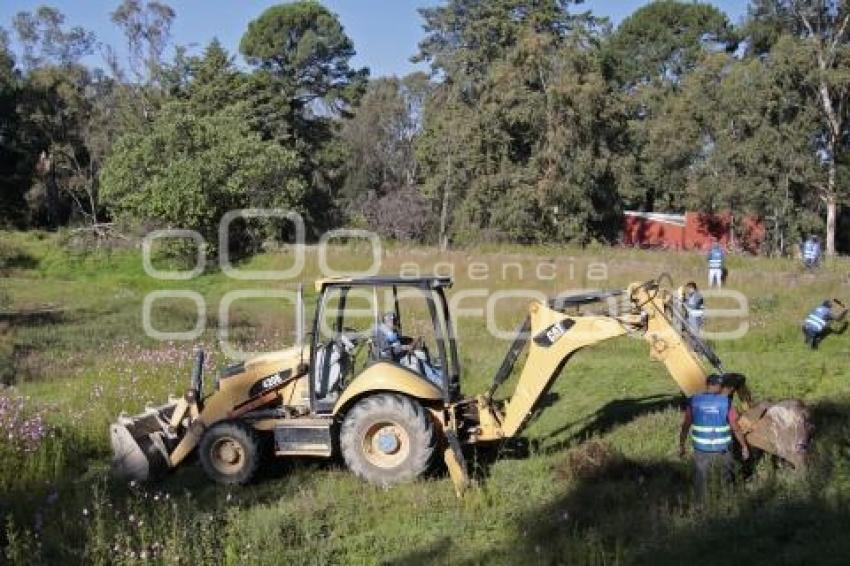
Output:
(817, 325)
(712, 422)
(716, 264)
(694, 307)
(811, 252)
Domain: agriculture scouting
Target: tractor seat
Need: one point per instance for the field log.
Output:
(332, 362)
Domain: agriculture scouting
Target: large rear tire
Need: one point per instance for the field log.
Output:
(230, 453)
(388, 439)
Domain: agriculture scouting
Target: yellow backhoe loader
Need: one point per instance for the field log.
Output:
(392, 413)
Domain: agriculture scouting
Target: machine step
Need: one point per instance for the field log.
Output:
(303, 437)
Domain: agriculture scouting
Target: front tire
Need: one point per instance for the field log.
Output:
(388, 439)
(230, 453)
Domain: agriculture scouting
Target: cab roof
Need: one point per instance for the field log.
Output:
(425, 282)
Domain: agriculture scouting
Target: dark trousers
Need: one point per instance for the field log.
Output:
(813, 337)
(705, 463)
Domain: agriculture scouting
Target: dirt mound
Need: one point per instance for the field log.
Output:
(597, 461)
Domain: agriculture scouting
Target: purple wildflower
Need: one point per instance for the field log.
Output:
(21, 429)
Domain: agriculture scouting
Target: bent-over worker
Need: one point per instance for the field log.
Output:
(816, 326)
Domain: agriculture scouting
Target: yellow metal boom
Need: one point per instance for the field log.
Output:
(552, 335)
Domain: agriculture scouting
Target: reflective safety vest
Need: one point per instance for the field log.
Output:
(694, 304)
(811, 250)
(715, 258)
(710, 429)
(818, 318)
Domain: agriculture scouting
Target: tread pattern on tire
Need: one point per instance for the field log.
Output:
(246, 436)
(406, 412)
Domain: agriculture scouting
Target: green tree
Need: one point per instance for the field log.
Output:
(381, 164)
(746, 133)
(552, 126)
(765, 145)
(380, 136)
(56, 114)
(215, 82)
(190, 169)
(147, 30)
(303, 81)
(737, 135)
(11, 185)
(306, 48)
(648, 56)
(203, 156)
(143, 79)
(519, 134)
(56, 118)
(583, 134)
(47, 41)
(823, 30)
(664, 40)
(464, 37)
(448, 156)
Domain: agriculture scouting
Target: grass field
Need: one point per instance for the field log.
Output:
(596, 480)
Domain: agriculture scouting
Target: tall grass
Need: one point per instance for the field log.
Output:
(547, 498)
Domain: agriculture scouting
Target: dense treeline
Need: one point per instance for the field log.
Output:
(537, 122)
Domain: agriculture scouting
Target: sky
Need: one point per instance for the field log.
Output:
(385, 32)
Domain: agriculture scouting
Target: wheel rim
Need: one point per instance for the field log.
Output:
(386, 444)
(227, 456)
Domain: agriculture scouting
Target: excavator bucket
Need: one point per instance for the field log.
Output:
(783, 429)
(139, 443)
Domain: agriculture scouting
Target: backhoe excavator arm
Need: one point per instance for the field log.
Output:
(552, 335)
(652, 313)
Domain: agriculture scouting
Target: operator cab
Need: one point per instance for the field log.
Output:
(364, 321)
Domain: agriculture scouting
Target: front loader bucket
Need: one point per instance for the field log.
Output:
(783, 429)
(139, 443)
